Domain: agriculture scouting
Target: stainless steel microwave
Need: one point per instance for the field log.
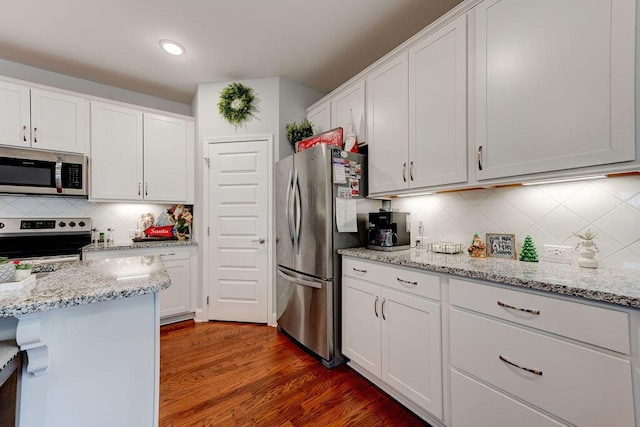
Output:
(40, 172)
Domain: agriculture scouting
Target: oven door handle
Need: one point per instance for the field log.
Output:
(58, 175)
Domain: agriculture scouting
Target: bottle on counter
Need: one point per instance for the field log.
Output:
(95, 235)
(110, 234)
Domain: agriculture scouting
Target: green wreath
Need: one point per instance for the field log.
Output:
(236, 104)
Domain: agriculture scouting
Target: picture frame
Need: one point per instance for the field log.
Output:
(500, 245)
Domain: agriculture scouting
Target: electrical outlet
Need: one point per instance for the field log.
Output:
(559, 254)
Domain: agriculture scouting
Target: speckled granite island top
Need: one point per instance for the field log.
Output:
(96, 247)
(87, 282)
(615, 286)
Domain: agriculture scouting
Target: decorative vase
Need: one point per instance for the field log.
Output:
(7, 272)
(587, 252)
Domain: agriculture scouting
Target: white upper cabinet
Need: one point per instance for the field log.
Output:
(116, 152)
(554, 85)
(320, 117)
(15, 118)
(438, 107)
(140, 156)
(348, 106)
(58, 121)
(42, 119)
(387, 122)
(166, 156)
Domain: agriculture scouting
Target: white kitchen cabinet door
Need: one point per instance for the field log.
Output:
(116, 152)
(361, 305)
(554, 85)
(411, 348)
(165, 158)
(176, 298)
(320, 117)
(176, 301)
(15, 118)
(438, 107)
(58, 121)
(348, 106)
(388, 121)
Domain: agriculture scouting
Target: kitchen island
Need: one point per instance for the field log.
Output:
(90, 331)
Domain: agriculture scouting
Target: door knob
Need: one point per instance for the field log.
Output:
(260, 240)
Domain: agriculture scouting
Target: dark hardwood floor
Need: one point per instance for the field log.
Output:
(235, 374)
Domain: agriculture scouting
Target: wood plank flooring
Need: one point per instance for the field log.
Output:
(235, 374)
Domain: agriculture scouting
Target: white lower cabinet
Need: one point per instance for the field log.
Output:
(475, 404)
(177, 302)
(533, 376)
(395, 335)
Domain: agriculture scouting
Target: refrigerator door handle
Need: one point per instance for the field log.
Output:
(303, 282)
(298, 210)
(288, 205)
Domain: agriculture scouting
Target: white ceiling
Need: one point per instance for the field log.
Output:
(318, 43)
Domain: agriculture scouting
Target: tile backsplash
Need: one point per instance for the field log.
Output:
(549, 213)
(121, 216)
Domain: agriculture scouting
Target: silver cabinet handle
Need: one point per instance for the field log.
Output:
(480, 157)
(260, 240)
(35, 135)
(526, 310)
(533, 371)
(406, 281)
(357, 270)
(169, 254)
(404, 172)
(146, 188)
(411, 170)
(375, 306)
(139, 187)
(24, 133)
(383, 316)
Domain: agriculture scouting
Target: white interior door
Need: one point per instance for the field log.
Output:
(239, 223)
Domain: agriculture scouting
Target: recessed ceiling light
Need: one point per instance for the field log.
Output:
(174, 48)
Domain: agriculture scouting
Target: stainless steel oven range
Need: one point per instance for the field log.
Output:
(44, 240)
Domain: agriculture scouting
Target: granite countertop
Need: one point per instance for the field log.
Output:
(96, 247)
(615, 286)
(87, 282)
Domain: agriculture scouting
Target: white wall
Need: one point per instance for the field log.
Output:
(548, 213)
(294, 99)
(277, 101)
(61, 81)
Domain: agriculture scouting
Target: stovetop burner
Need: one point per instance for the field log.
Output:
(29, 238)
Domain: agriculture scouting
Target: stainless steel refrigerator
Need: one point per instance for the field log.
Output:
(308, 292)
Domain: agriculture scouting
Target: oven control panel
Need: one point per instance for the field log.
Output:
(44, 225)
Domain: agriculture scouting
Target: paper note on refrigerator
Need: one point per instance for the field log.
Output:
(346, 219)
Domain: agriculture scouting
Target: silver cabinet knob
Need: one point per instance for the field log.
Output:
(260, 240)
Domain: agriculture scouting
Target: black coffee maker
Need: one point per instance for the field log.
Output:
(388, 231)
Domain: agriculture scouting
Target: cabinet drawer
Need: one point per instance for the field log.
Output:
(394, 277)
(474, 404)
(582, 386)
(599, 326)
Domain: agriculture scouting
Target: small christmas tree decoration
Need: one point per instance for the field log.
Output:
(528, 253)
(477, 249)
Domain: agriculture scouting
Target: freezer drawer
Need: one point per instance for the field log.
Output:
(305, 311)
